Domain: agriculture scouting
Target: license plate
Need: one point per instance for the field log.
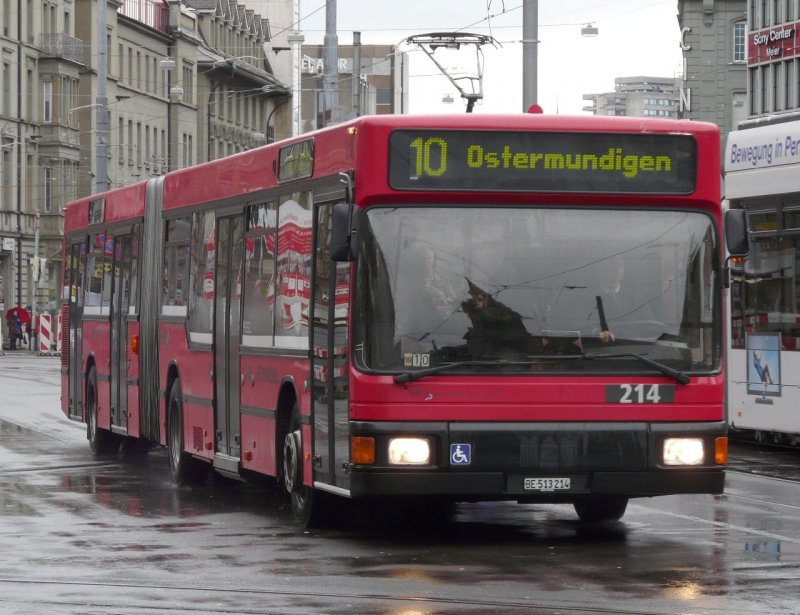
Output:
(547, 484)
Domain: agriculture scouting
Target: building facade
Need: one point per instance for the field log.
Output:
(379, 87)
(41, 63)
(638, 97)
(714, 43)
(773, 60)
(184, 82)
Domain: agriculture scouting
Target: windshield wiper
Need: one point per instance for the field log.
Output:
(445, 367)
(530, 360)
(664, 369)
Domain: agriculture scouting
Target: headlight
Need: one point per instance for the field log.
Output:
(683, 452)
(409, 451)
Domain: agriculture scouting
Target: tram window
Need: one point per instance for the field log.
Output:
(791, 219)
(768, 295)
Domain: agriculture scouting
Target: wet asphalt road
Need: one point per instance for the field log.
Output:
(114, 535)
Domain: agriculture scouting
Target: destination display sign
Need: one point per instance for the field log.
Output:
(528, 161)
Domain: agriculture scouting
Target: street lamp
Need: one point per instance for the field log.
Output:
(589, 29)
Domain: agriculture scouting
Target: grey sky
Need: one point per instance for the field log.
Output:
(636, 37)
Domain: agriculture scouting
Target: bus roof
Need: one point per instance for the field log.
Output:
(336, 149)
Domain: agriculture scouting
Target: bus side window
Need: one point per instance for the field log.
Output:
(176, 267)
(203, 262)
(258, 317)
(293, 282)
(94, 273)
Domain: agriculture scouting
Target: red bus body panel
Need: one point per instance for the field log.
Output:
(361, 147)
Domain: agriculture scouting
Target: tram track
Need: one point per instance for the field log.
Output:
(214, 595)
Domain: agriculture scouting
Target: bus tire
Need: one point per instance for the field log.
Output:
(184, 468)
(599, 508)
(302, 500)
(101, 441)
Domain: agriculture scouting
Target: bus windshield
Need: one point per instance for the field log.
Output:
(510, 289)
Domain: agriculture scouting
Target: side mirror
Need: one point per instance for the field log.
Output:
(736, 239)
(343, 232)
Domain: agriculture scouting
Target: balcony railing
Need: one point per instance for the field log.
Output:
(62, 46)
(153, 13)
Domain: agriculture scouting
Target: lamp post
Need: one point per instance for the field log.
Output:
(101, 150)
(530, 52)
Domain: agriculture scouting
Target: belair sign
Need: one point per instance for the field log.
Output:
(772, 44)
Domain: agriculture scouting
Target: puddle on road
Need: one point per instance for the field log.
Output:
(18, 439)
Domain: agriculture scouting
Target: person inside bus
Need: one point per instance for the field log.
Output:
(496, 328)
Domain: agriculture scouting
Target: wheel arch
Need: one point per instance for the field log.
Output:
(90, 364)
(287, 398)
(173, 374)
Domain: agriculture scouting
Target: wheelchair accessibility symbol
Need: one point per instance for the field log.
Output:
(460, 454)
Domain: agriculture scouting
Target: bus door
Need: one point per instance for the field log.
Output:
(120, 302)
(227, 308)
(77, 269)
(330, 344)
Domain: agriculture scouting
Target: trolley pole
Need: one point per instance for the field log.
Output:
(101, 122)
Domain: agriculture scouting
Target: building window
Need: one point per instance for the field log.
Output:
(739, 45)
(188, 83)
(776, 80)
(120, 149)
(29, 84)
(6, 16)
(47, 101)
(48, 190)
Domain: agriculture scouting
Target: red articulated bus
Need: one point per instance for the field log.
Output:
(472, 307)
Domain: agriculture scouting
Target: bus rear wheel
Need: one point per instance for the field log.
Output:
(302, 499)
(101, 441)
(601, 508)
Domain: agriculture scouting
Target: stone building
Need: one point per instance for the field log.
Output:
(713, 40)
(638, 97)
(185, 81)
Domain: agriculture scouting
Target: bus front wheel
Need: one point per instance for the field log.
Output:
(301, 497)
(601, 508)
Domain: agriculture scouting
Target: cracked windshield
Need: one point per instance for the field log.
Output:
(536, 290)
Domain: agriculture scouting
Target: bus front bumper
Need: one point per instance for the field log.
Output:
(480, 486)
(539, 461)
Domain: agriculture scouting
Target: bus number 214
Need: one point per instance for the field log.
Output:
(426, 153)
(640, 394)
